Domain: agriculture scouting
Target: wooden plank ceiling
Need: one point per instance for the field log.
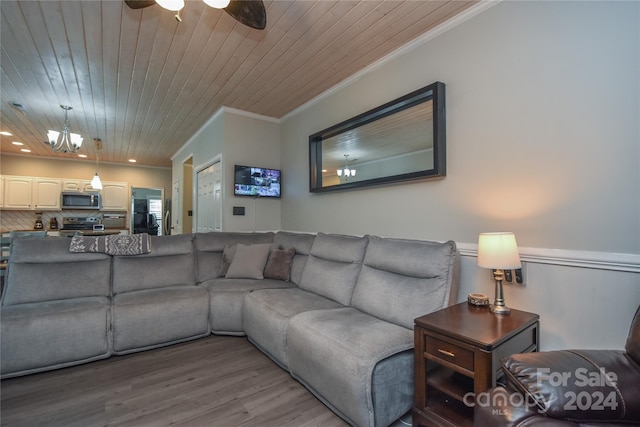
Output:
(144, 83)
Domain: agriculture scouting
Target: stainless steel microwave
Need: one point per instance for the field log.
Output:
(78, 200)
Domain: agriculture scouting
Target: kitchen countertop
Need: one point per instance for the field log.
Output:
(84, 232)
(97, 233)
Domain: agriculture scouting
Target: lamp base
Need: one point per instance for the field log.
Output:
(499, 309)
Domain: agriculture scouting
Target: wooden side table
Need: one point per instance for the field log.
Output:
(462, 346)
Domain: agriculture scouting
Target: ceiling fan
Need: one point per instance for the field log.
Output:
(248, 12)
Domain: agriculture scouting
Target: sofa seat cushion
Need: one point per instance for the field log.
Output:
(37, 337)
(363, 371)
(156, 317)
(266, 313)
(226, 300)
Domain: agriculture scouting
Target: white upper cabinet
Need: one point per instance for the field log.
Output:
(37, 193)
(17, 192)
(115, 196)
(76, 185)
(29, 193)
(46, 193)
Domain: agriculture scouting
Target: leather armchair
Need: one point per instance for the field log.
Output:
(567, 388)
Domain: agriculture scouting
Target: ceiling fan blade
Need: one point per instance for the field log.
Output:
(139, 4)
(248, 12)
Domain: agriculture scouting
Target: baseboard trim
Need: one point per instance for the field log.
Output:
(569, 258)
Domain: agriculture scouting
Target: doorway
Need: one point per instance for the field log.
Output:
(209, 198)
(147, 210)
(187, 196)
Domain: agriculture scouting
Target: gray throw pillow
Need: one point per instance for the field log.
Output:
(279, 264)
(248, 262)
(227, 256)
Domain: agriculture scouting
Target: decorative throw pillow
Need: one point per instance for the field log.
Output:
(248, 261)
(227, 256)
(279, 264)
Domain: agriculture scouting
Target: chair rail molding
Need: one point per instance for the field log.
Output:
(571, 258)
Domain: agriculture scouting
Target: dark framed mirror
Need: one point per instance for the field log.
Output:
(401, 140)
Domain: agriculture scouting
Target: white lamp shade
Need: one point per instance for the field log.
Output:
(339, 172)
(218, 4)
(498, 251)
(76, 139)
(353, 172)
(96, 184)
(52, 135)
(173, 5)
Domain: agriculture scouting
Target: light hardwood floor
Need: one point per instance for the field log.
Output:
(214, 381)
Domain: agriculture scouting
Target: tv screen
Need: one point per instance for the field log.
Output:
(256, 182)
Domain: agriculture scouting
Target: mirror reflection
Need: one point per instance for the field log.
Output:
(393, 145)
(401, 140)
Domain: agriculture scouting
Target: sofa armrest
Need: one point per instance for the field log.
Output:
(579, 385)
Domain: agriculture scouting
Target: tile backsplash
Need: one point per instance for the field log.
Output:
(25, 220)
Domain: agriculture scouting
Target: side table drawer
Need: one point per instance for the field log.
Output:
(450, 352)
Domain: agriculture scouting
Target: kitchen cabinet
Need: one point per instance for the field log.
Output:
(17, 192)
(115, 196)
(45, 194)
(76, 185)
(29, 193)
(38, 193)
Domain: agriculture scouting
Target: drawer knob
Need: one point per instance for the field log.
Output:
(447, 353)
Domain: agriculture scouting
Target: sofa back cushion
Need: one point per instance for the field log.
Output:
(209, 248)
(302, 243)
(170, 263)
(404, 279)
(45, 270)
(333, 266)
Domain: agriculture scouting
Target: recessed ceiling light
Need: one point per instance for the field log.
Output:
(25, 150)
(6, 133)
(17, 143)
(132, 160)
(84, 156)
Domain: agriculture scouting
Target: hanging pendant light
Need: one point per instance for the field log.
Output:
(70, 142)
(218, 4)
(173, 5)
(96, 183)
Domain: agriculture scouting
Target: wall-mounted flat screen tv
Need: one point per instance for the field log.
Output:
(256, 182)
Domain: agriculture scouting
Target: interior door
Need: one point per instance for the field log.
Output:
(209, 199)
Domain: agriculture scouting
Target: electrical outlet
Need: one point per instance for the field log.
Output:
(520, 275)
(508, 276)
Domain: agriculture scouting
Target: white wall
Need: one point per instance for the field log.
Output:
(542, 139)
(237, 138)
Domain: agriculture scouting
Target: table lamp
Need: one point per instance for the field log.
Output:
(498, 251)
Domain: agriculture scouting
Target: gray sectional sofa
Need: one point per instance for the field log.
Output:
(347, 298)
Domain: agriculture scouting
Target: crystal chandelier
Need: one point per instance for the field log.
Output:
(70, 142)
(348, 173)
